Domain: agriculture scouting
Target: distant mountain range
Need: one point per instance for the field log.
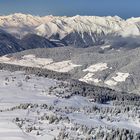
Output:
(77, 31)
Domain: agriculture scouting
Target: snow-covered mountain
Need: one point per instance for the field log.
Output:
(48, 92)
(80, 31)
(32, 41)
(10, 44)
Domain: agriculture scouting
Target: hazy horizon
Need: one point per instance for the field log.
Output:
(66, 15)
(124, 9)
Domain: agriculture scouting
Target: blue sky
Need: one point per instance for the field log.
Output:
(122, 8)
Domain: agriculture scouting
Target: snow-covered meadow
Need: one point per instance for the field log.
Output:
(45, 63)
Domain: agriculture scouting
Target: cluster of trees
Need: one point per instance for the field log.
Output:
(77, 130)
(76, 87)
(81, 132)
(98, 94)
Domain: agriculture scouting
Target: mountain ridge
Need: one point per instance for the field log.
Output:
(90, 30)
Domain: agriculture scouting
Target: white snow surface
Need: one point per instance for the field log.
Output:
(96, 67)
(89, 77)
(13, 91)
(16, 89)
(22, 24)
(47, 63)
(105, 47)
(121, 77)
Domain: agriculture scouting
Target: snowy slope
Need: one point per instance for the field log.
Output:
(44, 63)
(30, 109)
